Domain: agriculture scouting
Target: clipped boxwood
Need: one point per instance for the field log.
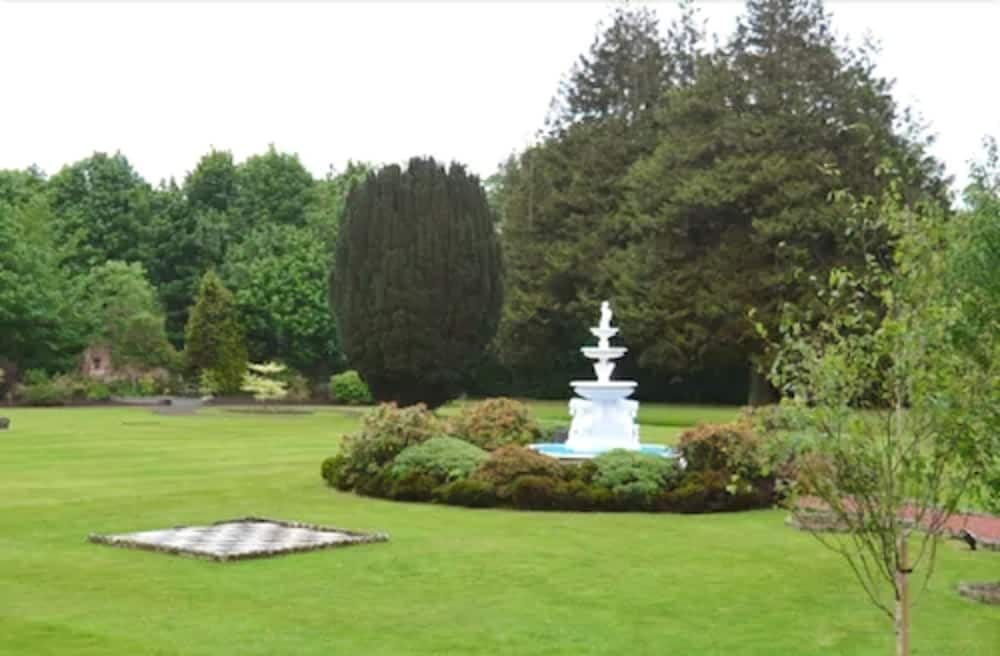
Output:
(412, 487)
(534, 493)
(440, 458)
(507, 464)
(348, 387)
(470, 493)
(494, 423)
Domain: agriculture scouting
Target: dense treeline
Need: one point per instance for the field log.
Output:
(690, 181)
(96, 255)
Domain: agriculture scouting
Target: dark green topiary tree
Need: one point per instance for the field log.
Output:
(416, 286)
(214, 339)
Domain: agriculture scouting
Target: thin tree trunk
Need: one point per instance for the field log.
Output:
(903, 600)
(760, 390)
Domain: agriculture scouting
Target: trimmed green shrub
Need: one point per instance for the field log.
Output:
(413, 487)
(577, 495)
(470, 493)
(494, 423)
(534, 493)
(583, 472)
(508, 463)
(632, 473)
(442, 458)
(333, 469)
(385, 432)
(379, 484)
(698, 492)
(349, 388)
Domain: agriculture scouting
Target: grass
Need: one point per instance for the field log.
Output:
(451, 581)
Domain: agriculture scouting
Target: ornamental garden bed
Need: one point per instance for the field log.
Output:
(480, 459)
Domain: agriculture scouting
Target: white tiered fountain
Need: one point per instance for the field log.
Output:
(604, 418)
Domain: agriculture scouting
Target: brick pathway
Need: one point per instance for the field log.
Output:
(982, 525)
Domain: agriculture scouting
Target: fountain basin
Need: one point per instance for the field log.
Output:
(604, 353)
(604, 333)
(612, 390)
(564, 452)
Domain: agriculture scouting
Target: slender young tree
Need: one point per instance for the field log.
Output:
(889, 398)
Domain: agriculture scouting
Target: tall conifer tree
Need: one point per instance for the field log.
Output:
(416, 284)
(214, 339)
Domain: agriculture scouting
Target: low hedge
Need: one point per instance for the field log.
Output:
(469, 493)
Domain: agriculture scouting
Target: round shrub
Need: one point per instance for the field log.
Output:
(494, 423)
(633, 474)
(441, 458)
(331, 470)
(732, 448)
(508, 463)
(385, 432)
(469, 493)
(348, 387)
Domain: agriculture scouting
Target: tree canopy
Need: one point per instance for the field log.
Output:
(691, 203)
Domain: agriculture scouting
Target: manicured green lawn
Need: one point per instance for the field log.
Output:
(451, 581)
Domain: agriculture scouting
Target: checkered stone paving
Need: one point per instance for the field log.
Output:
(237, 539)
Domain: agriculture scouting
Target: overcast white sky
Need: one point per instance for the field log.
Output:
(163, 82)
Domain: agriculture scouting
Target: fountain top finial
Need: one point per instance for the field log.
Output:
(605, 315)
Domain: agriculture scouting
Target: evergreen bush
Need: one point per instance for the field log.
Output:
(470, 493)
(442, 458)
(348, 387)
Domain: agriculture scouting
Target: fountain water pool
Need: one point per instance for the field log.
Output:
(604, 418)
(563, 452)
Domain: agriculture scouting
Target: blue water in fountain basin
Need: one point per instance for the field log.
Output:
(557, 450)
